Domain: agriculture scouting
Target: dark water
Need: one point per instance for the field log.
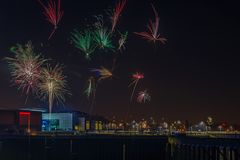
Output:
(83, 148)
(204, 148)
(99, 147)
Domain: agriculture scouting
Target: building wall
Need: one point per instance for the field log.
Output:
(7, 117)
(33, 118)
(11, 120)
(8, 120)
(64, 120)
(82, 124)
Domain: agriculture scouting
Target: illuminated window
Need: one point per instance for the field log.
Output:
(96, 125)
(100, 125)
(76, 128)
(87, 125)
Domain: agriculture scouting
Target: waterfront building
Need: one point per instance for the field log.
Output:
(26, 120)
(72, 120)
(22, 120)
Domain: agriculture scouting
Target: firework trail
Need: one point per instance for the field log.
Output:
(102, 36)
(143, 96)
(90, 91)
(53, 85)
(122, 41)
(91, 88)
(25, 67)
(102, 73)
(153, 28)
(84, 41)
(116, 13)
(136, 77)
(53, 13)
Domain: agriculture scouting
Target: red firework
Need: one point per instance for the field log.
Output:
(53, 13)
(136, 77)
(153, 28)
(117, 12)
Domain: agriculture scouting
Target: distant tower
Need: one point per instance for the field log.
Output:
(209, 123)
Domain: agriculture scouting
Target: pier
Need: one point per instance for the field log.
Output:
(110, 147)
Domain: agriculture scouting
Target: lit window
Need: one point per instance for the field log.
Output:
(87, 125)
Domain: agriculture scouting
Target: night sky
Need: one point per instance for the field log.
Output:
(195, 75)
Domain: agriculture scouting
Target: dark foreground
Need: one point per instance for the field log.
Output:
(103, 147)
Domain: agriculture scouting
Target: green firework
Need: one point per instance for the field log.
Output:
(103, 38)
(84, 41)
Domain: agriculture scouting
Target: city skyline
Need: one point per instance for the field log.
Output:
(193, 76)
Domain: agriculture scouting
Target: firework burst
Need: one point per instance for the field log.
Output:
(143, 96)
(136, 77)
(102, 73)
(122, 41)
(153, 29)
(53, 85)
(84, 41)
(25, 67)
(53, 13)
(116, 13)
(102, 36)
